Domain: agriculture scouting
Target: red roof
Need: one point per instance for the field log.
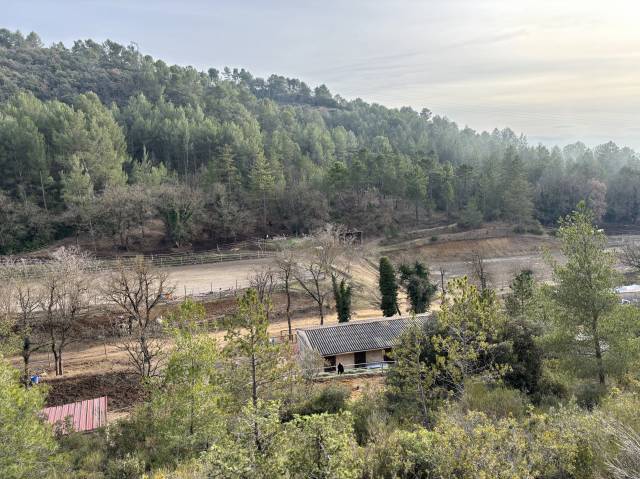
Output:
(84, 415)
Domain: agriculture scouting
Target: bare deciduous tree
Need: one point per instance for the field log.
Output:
(443, 286)
(7, 315)
(630, 255)
(24, 307)
(64, 298)
(263, 281)
(318, 261)
(137, 292)
(479, 272)
(311, 364)
(286, 264)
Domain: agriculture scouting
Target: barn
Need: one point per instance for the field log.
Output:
(359, 344)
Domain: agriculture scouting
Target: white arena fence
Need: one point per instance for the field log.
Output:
(35, 267)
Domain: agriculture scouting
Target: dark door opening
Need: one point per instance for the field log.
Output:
(360, 359)
(329, 364)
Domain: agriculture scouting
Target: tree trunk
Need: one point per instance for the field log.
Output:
(254, 399)
(57, 359)
(319, 299)
(25, 359)
(321, 310)
(146, 360)
(598, 350)
(423, 399)
(288, 293)
(264, 211)
(44, 197)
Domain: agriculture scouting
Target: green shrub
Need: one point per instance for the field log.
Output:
(369, 414)
(86, 454)
(535, 229)
(521, 352)
(590, 395)
(549, 392)
(495, 401)
(470, 217)
(330, 399)
(130, 467)
(434, 238)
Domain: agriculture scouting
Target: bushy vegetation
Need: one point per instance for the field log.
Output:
(487, 388)
(98, 139)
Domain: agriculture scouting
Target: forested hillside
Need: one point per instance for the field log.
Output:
(98, 139)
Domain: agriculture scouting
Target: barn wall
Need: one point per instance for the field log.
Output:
(346, 360)
(375, 356)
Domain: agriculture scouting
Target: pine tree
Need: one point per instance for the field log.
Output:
(517, 204)
(416, 182)
(262, 183)
(225, 170)
(411, 379)
(522, 290)
(28, 447)
(584, 290)
(342, 296)
(471, 216)
(388, 288)
(419, 289)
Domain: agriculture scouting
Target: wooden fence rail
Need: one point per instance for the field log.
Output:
(35, 267)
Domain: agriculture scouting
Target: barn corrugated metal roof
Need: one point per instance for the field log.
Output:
(84, 415)
(356, 336)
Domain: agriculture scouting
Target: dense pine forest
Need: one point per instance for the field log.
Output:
(98, 139)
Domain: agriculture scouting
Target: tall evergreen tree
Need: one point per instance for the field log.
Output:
(585, 284)
(28, 447)
(420, 290)
(225, 169)
(342, 296)
(388, 288)
(416, 187)
(522, 290)
(262, 183)
(517, 204)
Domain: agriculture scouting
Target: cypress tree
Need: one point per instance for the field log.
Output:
(388, 288)
(342, 295)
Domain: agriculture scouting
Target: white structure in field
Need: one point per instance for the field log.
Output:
(629, 294)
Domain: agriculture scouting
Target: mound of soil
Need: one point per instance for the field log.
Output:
(122, 388)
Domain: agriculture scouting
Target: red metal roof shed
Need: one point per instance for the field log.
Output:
(84, 415)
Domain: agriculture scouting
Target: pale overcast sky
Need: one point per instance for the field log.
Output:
(556, 70)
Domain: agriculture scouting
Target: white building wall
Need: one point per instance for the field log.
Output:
(375, 356)
(347, 360)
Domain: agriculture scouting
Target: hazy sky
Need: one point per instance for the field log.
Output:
(556, 70)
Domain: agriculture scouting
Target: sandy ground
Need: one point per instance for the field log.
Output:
(205, 278)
